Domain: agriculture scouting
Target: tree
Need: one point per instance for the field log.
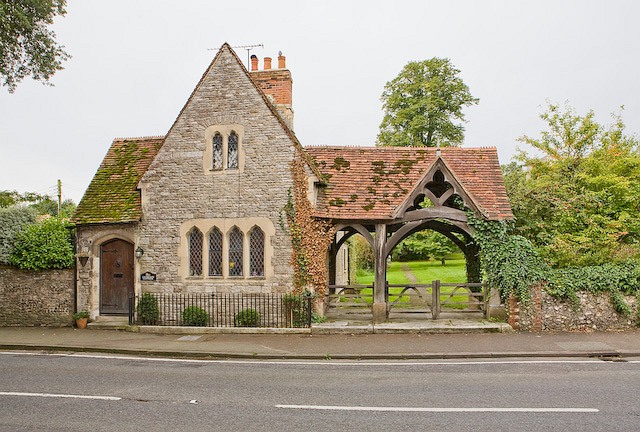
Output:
(424, 245)
(27, 46)
(44, 205)
(9, 198)
(48, 206)
(577, 201)
(422, 103)
(440, 247)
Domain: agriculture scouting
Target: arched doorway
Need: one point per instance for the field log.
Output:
(116, 276)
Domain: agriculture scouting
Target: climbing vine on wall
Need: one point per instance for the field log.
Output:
(310, 237)
(512, 264)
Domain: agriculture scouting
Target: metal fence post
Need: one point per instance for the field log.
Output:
(309, 312)
(485, 292)
(131, 301)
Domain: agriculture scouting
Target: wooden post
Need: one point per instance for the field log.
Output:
(435, 299)
(332, 265)
(379, 307)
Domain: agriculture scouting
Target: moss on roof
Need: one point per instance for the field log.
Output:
(112, 195)
(370, 183)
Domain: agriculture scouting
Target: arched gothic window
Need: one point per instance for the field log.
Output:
(232, 159)
(215, 252)
(217, 152)
(256, 252)
(235, 252)
(195, 252)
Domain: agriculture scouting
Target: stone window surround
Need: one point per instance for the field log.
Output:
(224, 131)
(225, 226)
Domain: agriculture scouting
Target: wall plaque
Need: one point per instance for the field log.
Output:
(148, 276)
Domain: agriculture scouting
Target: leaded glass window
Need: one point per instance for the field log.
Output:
(217, 152)
(232, 161)
(215, 252)
(256, 252)
(235, 252)
(195, 252)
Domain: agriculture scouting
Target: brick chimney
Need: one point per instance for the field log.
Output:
(277, 84)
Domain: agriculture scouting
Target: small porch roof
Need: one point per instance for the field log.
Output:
(371, 183)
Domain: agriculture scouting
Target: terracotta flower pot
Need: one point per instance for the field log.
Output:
(81, 323)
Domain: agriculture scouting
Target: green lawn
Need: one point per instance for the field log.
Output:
(424, 271)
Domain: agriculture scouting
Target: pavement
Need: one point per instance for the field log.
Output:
(192, 343)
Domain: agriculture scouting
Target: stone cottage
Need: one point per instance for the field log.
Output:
(204, 208)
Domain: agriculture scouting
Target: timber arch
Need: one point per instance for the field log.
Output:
(387, 194)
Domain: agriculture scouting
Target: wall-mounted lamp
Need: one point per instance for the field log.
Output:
(139, 252)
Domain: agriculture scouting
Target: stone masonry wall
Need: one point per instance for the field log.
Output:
(547, 313)
(34, 298)
(177, 190)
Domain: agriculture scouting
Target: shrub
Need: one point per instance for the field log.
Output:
(148, 311)
(81, 314)
(296, 309)
(12, 221)
(46, 245)
(194, 316)
(362, 252)
(247, 318)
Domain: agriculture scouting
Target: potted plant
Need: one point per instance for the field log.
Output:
(81, 319)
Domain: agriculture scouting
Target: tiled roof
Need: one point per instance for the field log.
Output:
(371, 182)
(112, 196)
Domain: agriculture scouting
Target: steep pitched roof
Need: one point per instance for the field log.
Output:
(372, 182)
(226, 47)
(112, 195)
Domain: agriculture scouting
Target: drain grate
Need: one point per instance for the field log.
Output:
(612, 358)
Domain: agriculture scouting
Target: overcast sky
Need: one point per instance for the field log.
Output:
(136, 62)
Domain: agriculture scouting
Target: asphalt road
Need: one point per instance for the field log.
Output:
(41, 392)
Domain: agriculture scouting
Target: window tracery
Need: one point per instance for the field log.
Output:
(195, 252)
(215, 252)
(256, 252)
(236, 254)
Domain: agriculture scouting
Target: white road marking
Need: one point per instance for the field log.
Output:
(359, 363)
(438, 410)
(53, 395)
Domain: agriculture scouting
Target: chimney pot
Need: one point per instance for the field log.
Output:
(282, 61)
(267, 63)
(254, 62)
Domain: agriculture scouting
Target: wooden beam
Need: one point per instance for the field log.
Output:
(448, 213)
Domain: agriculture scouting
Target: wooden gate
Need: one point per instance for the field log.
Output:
(116, 276)
(412, 300)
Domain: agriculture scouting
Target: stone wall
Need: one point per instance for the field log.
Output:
(33, 298)
(180, 190)
(547, 313)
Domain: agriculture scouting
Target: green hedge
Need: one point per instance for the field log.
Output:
(12, 221)
(46, 245)
(512, 264)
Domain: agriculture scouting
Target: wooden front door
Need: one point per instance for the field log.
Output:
(116, 276)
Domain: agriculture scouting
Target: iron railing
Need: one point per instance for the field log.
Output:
(221, 310)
